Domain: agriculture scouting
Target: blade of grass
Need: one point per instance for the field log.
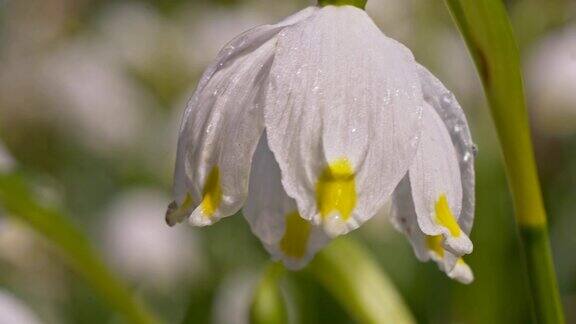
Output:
(350, 274)
(17, 200)
(488, 34)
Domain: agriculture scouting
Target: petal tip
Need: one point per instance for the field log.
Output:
(199, 218)
(460, 245)
(462, 273)
(174, 214)
(334, 225)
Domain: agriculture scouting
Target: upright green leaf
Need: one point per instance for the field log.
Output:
(488, 33)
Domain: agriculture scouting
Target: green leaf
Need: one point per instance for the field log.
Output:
(488, 34)
(268, 305)
(350, 274)
(17, 200)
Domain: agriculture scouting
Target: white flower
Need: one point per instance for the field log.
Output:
(14, 311)
(551, 80)
(144, 250)
(310, 125)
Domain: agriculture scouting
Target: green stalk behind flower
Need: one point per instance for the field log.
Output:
(488, 33)
(357, 282)
(356, 3)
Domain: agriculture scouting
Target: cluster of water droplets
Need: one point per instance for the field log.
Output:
(456, 125)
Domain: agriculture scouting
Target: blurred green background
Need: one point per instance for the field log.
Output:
(91, 93)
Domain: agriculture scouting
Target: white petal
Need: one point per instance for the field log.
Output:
(462, 272)
(403, 217)
(448, 108)
(343, 116)
(425, 247)
(436, 185)
(273, 216)
(221, 127)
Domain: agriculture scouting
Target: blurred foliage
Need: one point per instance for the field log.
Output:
(138, 62)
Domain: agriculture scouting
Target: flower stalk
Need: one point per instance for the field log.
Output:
(356, 3)
(358, 283)
(485, 26)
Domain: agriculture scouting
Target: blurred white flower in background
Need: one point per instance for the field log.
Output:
(143, 247)
(28, 263)
(551, 79)
(14, 311)
(7, 163)
(132, 30)
(396, 17)
(233, 298)
(213, 29)
(94, 97)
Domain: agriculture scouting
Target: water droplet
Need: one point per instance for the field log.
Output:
(467, 157)
(415, 141)
(447, 99)
(458, 128)
(474, 149)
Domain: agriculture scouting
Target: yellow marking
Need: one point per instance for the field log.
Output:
(336, 189)
(445, 217)
(296, 235)
(434, 244)
(460, 261)
(212, 193)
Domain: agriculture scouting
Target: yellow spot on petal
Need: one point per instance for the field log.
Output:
(212, 193)
(336, 189)
(434, 244)
(460, 261)
(445, 217)
(296, 235)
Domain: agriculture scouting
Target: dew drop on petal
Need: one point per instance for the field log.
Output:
(467, 157)
(446, 99)
(474, 149)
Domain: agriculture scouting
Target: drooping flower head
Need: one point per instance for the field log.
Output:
(311, 126)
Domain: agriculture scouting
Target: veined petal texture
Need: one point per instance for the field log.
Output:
(273, 216)
(343, 115)
(449, 110)
(404, 219)
(436, 185)
(221, 127)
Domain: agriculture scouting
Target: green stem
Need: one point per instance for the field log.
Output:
(349, 273)
(356, 3)
(268, 305)
(488, 33)
(16, 199)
